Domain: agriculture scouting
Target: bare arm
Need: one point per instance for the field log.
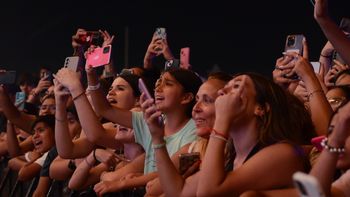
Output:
(59, 169)
(12, 142)
(29, 171)
(331, 30)
(20, 119)
(43, 187)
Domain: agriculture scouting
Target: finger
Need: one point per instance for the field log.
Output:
(305, 49)
(339, 65)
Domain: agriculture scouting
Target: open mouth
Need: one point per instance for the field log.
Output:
(123, 129)
(112, 101)
(159, 98)
(38, 143)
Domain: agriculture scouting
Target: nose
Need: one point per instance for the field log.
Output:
(221, 91)
(197, 107)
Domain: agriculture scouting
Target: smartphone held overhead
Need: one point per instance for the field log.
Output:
(99, 57)
(72, 63)
(294, 43)
(8, 77)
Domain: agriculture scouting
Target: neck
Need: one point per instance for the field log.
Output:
(244, 139)
(174, 122)
(131, 150)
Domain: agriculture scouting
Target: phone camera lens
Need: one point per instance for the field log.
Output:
(290, 41)
(106, 49)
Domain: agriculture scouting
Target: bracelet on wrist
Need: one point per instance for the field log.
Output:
(60, 120)
(314, 92)
(215, 132)
(324, 144)
(93, 87)
(79, 95)
(159, 146)
(89, 164)
(219, 137)
(94, 154)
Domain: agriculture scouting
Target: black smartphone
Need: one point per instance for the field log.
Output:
(171, 64)
(186, 160)
(8, 77)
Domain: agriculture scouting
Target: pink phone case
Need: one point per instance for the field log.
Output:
(185, 57)
(143, 89)
(316, 141)
(99, 57)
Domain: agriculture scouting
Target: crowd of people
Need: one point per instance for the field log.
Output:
(240, 134)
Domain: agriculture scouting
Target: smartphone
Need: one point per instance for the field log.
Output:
(143, 89)
(160, 33)
(316, 66)
(170, 64)
(185, 57)
(8, 77)
(307, 185)
(20, 100)
(99, 57)
(72, 63)
(92, 38)
(294, 43)
(48, 75)
(186, 160)
(316, 142)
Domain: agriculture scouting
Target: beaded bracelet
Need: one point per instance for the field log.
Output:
(324, 144)
(325, 56)
(215, 132)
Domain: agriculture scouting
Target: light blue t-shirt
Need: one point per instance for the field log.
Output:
(173, 143)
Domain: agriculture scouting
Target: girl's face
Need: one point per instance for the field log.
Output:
(344, 159)
(121, 94)
(203, 112)
(335, 98)
(248, 96)
(48, 107)
(124, 135)
(169, 93)
(43, 137)
(74, 126)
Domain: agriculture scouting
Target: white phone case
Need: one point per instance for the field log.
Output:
(307, 185)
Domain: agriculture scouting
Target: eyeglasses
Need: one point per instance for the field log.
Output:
(336, 101)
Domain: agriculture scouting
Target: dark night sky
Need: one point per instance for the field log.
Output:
(236, 35)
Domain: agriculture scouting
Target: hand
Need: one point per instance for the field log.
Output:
(69, 79)
(280, 72)
(104, 187)
(42, 85)
(151, 115)
(164, 49)
(34, 155)
(76, 39)
(130, 176)
(107, 38)
(300, 66)
(341, 123)
(231, 98)
(301, 93)
(327, 49)
(321, 9)
(332, 75)
(61, 93)
(106, 157)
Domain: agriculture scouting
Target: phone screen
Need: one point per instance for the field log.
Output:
(20, 99)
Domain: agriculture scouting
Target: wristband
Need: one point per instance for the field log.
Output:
(158, 146)
(324, 144)
(93, 88)
(76, 97)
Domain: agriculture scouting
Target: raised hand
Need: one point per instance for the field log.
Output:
(151, 115)
(76, 39)
(69, 79)
(107, 38)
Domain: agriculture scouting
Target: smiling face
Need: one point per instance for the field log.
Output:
(121, 94)
(203, 112)
(43, 137)
(168, 93)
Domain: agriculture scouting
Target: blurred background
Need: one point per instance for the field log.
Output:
(229, 35)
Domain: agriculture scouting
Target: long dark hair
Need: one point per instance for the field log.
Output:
(285, 120)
